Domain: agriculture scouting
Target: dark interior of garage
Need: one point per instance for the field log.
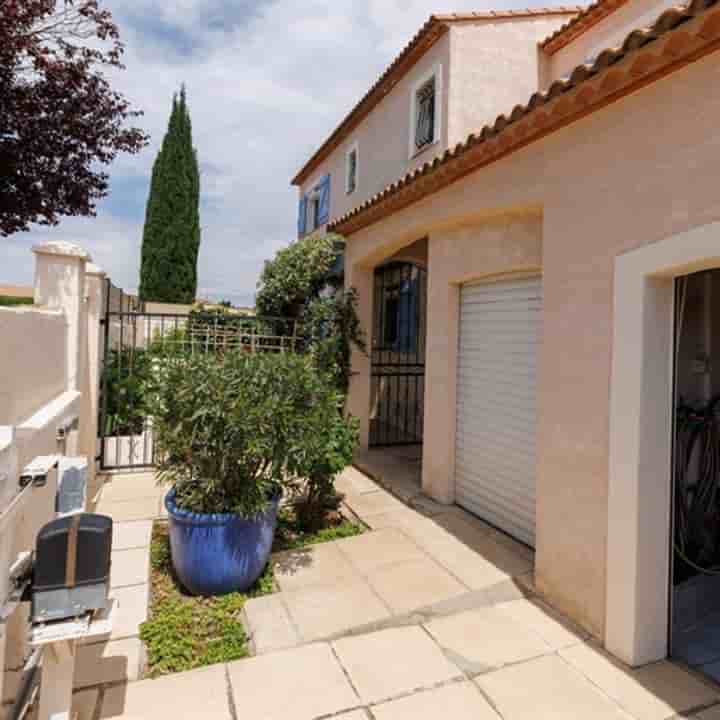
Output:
(695, 591)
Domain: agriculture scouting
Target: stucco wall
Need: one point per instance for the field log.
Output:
(502, 245)
(603, 186)
(488, 67)
(609, 32)
(644, 186)
(32, 361)
(383, 139)
(493, 67)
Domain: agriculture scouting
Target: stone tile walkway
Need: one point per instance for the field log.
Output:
(429, 615)
(416, 563)
(133, 501)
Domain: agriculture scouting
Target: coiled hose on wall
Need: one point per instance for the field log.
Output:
(697, 489)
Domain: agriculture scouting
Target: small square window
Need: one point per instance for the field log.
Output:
(352, 168)
(425, 114)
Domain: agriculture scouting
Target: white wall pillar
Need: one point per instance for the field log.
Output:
(358, 403)
(88, 445)
(641, 422)
(60, 283)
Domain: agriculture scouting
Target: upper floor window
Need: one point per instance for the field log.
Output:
(425, 112)
(351, 170)
(314, 210)
(425, 115)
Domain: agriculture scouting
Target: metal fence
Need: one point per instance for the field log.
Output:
(132, 339)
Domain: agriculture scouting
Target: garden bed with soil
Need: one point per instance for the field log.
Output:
(184, 632)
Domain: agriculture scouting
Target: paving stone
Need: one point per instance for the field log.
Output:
(112, 662)
(510, 558)
(505, 591)
(382, 547)
(269, 625)
(547, 687)
(199, 693)
(316, 565)
(301, 683)
(549, 625)
(136, 534)
(414, 584)
(131, 486)
(470, 567)
(131, 610)
(655, 692)
(84, 704)
(486, 639)
(130, 567)
(459, 701)
(385, 664)
(352, 482)
(475, 533)
(365, 506)
(147, 508)
(403, 518)
(322, 612)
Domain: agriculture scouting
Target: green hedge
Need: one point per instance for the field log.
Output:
(10, 301)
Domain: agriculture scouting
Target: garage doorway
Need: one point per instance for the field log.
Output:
(695, 551)
(496, 443)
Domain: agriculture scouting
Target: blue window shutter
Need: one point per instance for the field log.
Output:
(302, 215)
(324, 209)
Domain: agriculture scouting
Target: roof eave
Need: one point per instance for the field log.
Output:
(677, 38)
(435, 27)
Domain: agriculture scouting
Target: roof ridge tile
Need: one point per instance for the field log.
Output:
(667, 21)
(376, 92)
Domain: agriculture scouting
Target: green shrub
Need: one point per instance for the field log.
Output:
(11, 301)
(296, 274)
(230, 432)
(332, 327)
(126, 376)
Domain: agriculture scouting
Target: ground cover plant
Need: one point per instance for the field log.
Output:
(184, 631)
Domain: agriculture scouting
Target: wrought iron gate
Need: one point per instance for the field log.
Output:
(135, 340)
(398, 355)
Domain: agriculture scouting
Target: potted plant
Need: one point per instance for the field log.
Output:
(223, 431)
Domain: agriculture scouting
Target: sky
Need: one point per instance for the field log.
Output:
(267, 81)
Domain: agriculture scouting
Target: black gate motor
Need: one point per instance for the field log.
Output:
(71, 576)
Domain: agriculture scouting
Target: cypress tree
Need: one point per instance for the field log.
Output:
(171, 237)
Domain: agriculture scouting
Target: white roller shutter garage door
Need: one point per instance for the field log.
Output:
(496, 403)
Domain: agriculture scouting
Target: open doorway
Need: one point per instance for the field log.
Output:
(695, 577)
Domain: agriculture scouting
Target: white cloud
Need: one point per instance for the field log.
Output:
(267, 81)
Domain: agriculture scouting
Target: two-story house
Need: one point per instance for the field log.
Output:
(539, 193)
(458, 72)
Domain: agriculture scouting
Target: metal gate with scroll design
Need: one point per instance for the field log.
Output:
(398, 355)
(134, 340)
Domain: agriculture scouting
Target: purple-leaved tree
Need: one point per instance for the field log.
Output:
(61, 122)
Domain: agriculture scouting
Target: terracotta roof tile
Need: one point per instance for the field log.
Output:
(428, 34)
(457, 162)
(575, 27)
